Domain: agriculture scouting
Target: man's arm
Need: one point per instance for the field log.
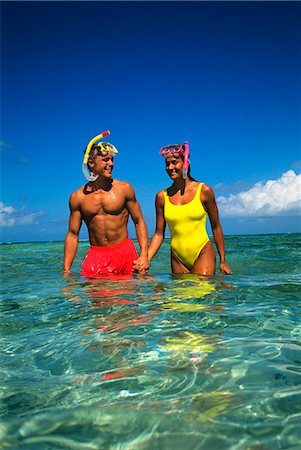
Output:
(71, 240)
(212, 210)
(133, 207)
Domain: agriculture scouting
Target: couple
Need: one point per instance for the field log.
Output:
(105, 205)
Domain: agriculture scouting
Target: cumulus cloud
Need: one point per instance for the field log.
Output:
(272, 198)
(10, 216)
(4, 145)
(22, 161)
(8, 149)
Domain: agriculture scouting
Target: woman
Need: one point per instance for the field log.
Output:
(184, 206)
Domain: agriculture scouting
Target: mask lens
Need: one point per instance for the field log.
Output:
(175, 149)
(102, 153)
(104, 148)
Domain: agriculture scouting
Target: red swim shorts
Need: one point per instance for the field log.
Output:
(117, 258)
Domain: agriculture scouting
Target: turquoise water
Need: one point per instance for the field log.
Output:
(155, 362)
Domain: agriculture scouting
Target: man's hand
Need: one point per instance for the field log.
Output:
(141, 265)
(66, 272)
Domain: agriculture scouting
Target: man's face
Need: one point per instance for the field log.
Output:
(103, 165)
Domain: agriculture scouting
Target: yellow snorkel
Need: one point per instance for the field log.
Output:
(85, 169)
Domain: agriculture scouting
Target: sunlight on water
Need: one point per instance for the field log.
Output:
(156, 361)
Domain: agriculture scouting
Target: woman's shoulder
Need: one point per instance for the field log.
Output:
(206, 192)
(160, 196)
(205, 187)
(162, 193)
(202, 185)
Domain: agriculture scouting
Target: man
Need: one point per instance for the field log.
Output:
(105, 205)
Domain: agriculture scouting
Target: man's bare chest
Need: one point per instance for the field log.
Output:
(98, 203)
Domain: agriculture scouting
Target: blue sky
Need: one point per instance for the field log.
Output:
(223, 75)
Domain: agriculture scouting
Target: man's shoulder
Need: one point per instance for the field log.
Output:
(77, 194)
(79, 191)
(122, 185)
(123, 189)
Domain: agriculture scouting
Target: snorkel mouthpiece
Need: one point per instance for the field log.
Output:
(186, 159)
(85, 169)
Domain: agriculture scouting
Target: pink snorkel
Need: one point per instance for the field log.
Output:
(186, 159)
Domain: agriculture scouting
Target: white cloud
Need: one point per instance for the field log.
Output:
(10, 216)
(22, 161)
(272, 198)
(4, 144)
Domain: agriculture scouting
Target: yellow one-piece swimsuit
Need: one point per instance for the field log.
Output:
(187, 226)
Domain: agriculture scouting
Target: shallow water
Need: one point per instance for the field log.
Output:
(152, 362)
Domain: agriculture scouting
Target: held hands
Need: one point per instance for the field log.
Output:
(66, 273)
(225, 269)
(141, 265)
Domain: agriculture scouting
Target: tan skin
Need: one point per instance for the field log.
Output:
(105, 206)
(180, 192)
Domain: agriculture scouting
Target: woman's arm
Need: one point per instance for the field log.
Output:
(208, 200)
(157, 239)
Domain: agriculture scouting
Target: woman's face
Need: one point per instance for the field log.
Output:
(174, 166)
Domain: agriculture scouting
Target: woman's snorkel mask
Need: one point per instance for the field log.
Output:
(178, 150)
(104, 148)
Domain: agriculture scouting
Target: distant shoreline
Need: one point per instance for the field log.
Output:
(134, 238)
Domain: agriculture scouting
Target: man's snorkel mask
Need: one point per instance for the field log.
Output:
(103, 149)
(178, 150)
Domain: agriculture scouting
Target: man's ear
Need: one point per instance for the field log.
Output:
(90, 164)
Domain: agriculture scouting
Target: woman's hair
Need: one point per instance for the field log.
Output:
(188, 170)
